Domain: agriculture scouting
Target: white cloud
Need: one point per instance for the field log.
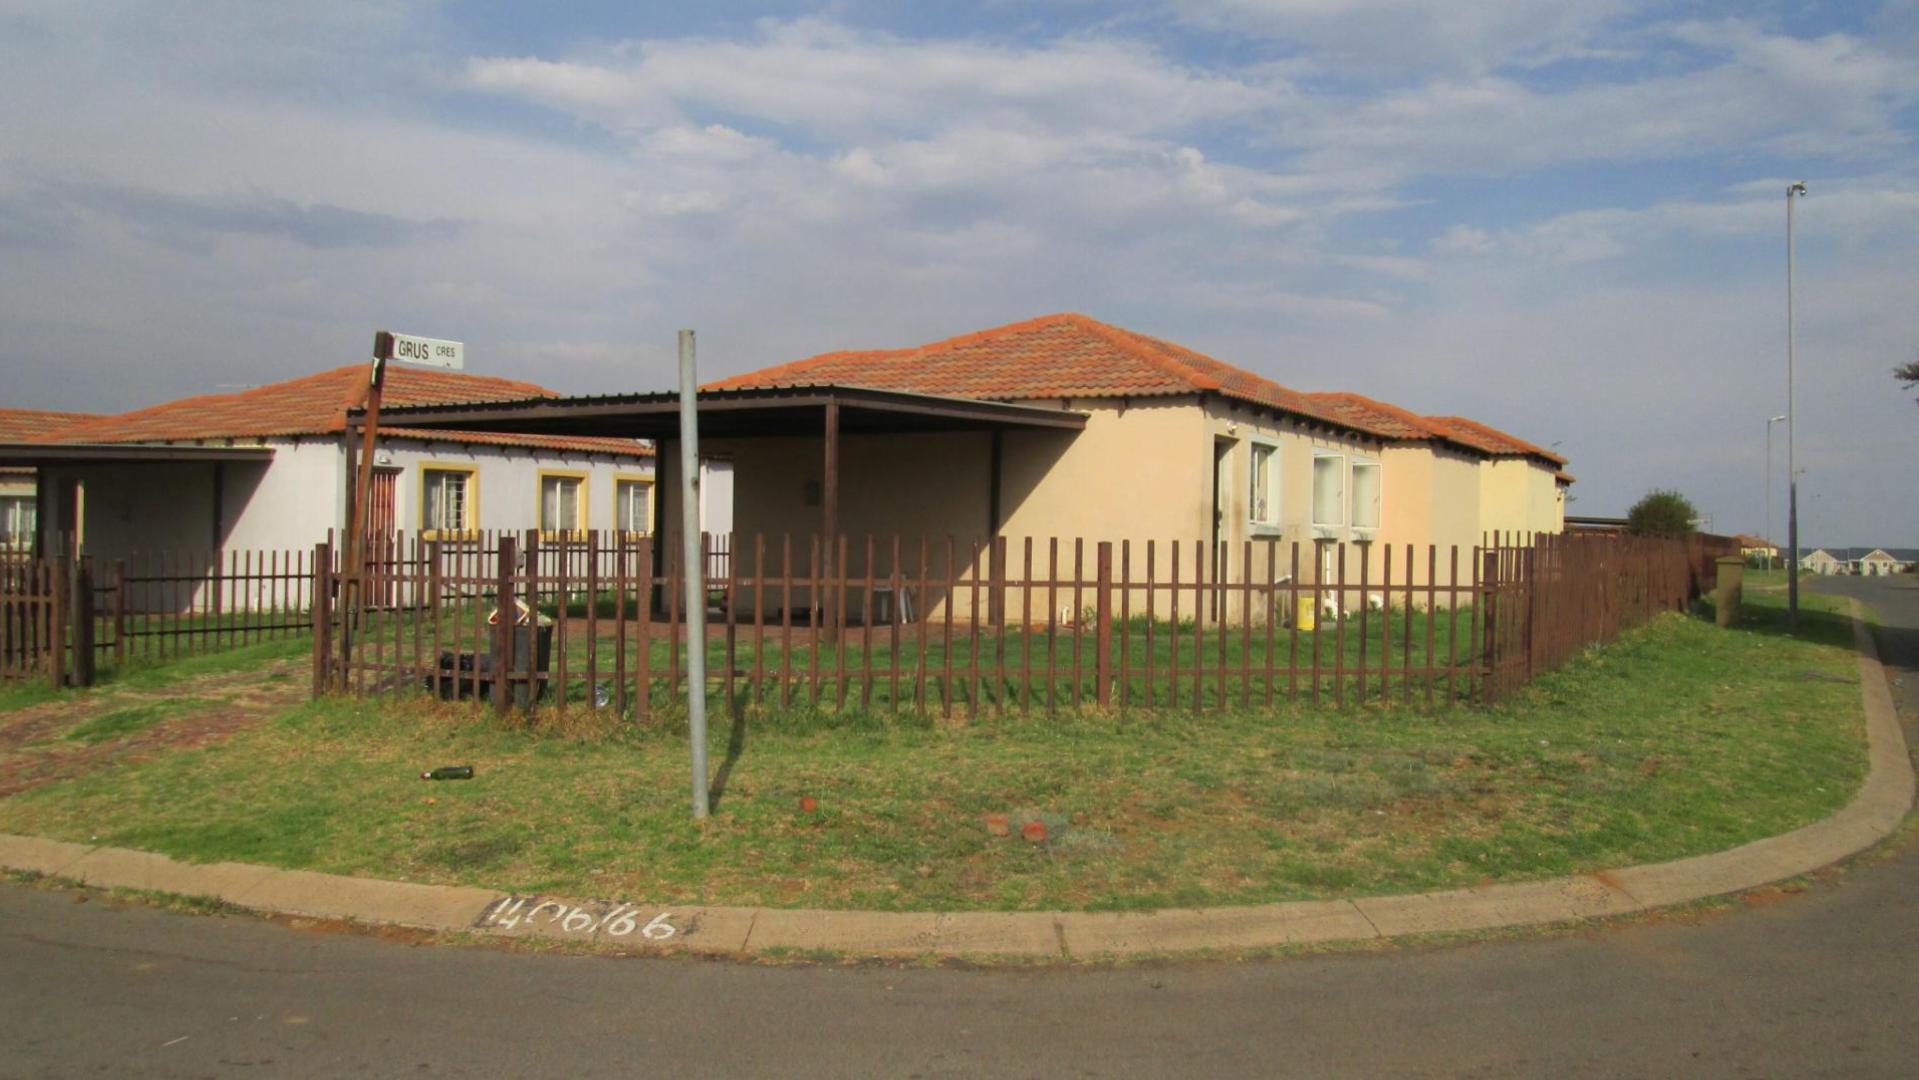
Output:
(1463, 241)
(1392, 35)
(1756, 92)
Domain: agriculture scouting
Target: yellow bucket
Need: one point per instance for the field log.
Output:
(1307, 617)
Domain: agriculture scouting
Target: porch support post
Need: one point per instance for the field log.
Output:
(830, 520)
(995, 465)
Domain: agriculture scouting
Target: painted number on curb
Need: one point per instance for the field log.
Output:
(617, 920)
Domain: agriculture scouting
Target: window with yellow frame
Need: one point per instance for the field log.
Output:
(562, 504)
(449, 499)
(633, 506)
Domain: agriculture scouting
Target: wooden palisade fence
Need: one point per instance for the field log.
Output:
(61, 615)
(927, 625)
(941, 626)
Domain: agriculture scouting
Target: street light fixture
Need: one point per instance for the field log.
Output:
(1794, 192)
(1767, 531)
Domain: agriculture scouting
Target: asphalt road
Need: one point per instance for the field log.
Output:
(1823, 982)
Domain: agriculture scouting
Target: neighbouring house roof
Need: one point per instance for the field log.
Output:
(1053, 356)
(1069, 355)
(1386, 419)
(1394, 422)
(1490, 439)
(317, 405)
(18, 425)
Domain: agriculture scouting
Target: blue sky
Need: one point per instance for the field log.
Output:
(1564, 219)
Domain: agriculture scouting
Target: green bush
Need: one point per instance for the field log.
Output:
(1661, 513)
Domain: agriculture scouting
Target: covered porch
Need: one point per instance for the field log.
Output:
(792, 465)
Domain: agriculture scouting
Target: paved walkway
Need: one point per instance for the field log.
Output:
(1872, 815)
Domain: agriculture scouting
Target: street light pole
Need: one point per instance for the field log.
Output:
(1794, 192)
(1767, 531)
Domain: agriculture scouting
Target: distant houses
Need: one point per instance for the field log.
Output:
(1864, 562)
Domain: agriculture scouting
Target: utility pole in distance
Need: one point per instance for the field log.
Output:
(1794, 192)
(1766, 532)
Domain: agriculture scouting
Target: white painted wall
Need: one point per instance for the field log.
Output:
(289, 504)
(509, 481)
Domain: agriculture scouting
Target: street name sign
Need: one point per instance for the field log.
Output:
(418, 350)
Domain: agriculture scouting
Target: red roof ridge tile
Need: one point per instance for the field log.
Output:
(1130, 341)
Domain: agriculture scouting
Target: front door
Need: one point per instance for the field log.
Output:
(382, 535)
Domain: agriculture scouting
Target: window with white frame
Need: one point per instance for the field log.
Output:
(633, 506)
(1329, 489)
(17, 517)
(446, 499)
(562, 508)
(1262, 500)
(1365, 494)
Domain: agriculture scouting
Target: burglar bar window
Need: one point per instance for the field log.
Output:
(17, 515)
(633, 508)
(1263, 500)
(1329, 489)
(561, 504)
(446, 502)
(1365, 494)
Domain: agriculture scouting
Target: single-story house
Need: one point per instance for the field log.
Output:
(1880, 563)
(1757, 548)
(19, 497)
(1821, 561)
(1063, 426)
(269, 469)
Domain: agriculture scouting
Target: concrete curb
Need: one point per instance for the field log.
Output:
(1874, 812)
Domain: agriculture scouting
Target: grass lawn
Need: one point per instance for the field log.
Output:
(154, 675)
(1680, 739)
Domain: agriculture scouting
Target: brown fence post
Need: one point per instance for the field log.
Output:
(56, 570)
(1103, 634)
(1535, 601)
(503, 622)
(119, 613)
(83, 621)
(1489, 580)
(317, 610)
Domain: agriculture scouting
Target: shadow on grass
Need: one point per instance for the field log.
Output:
(735, 746)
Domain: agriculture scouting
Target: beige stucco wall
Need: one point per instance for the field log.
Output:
(1519, 495)
(1433, 498)
(1140, 473)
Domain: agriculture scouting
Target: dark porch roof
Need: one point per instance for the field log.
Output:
(39, 454)
(732, 413)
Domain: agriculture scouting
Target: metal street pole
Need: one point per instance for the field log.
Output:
(1767, 531)
(695, 569)
(1794, 191)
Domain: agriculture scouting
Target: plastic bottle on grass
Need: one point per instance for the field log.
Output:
(449, 772)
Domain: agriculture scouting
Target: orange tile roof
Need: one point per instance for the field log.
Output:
(317, 405)
(19, 425)
(1389, 420)
(1053, 356)
(1490, 438)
